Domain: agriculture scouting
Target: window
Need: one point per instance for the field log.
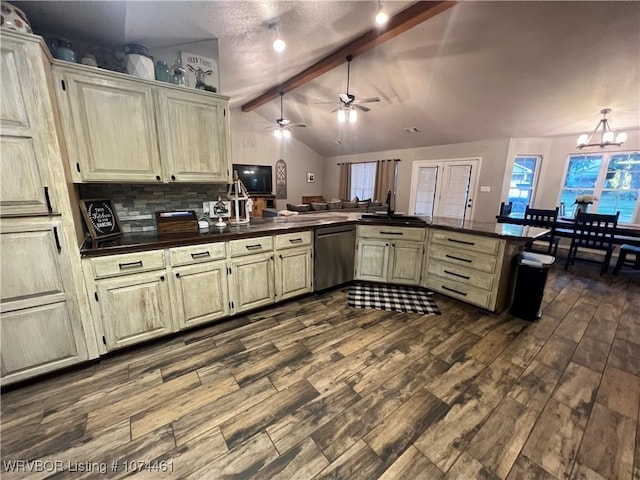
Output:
(363, 179)
(523, 178)
(613, 178)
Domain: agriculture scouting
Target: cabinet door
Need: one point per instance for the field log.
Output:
(252, 278)
(134, 308)
(293, 272)
(27, 126)
(372, 257)
(201, 293)
(194, 136)
(109, 127)
(41, 329)
(405, 262)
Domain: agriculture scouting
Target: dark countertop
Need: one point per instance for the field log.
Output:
(136, 242)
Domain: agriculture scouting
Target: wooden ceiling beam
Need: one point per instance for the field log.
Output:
(401, 22)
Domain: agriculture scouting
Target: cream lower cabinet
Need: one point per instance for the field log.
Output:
(40, 329)
(293, 265)
(199, 280)
(471, 268)
(252, 273)
(131, 298)
(389, 254)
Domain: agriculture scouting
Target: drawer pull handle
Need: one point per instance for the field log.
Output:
(57, 239)
(295, 240)
(454, 291)
(124, 266)
(254, 247)
(48, 199)
(460, 241)
(390, 233)
(458, 258)
(457, 274)
(200, 255)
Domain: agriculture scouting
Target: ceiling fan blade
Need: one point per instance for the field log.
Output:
(336, 109)
(368, 100)
(344, 98)
(326, 103)
(298, 125)
(360, 107)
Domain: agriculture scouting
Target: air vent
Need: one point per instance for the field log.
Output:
(411, 130)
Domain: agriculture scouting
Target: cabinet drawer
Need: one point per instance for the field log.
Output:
(198, 253)
(289, 240)
(129, 263)
(462, 275)
(474, 243)
(462, 292)
(391, 232)
(460, 257)
(249, 246)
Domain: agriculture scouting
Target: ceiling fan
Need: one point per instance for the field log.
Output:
(348, 102)
(282, 127)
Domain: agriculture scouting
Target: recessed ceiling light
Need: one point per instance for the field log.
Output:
(338, 142)
(411, 130)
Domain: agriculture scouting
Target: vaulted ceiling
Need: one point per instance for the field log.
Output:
(479, 70)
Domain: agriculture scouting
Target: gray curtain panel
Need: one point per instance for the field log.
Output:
(385, 179)
(344, 186)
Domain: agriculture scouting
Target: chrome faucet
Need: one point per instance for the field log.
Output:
(389, 211)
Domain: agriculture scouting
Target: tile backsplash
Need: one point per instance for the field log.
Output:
(137, 204)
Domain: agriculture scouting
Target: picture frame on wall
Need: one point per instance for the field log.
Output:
(311, 177)
(200, 72)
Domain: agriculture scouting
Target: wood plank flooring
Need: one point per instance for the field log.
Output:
(312, 389)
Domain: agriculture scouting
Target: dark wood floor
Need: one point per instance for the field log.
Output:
(314, 389)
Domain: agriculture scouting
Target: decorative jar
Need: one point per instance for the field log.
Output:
(12, 18)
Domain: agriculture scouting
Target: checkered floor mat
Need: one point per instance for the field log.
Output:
(392, 297)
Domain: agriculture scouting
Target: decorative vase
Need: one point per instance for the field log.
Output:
(162, 71)
(12, 18)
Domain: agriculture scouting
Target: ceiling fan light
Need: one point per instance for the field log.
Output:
(342, 116)
(621, 138)
(278, 133)
(353, 115)
(279, 45)
(286, 133)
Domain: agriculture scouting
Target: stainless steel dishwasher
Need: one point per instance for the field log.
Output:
(334, 256)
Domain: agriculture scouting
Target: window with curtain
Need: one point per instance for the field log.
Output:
(613, 178)
(363, 179)
(523, 180)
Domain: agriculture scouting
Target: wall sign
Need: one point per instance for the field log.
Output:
(281, 179)
(100, 218)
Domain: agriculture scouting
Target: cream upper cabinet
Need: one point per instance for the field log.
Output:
(194, 136)
(120, 128)
(40, 329)
(109, 126)
(26, 141)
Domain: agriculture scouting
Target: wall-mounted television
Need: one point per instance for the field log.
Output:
(257, 178)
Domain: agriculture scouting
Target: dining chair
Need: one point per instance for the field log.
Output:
(505, 209)
(624, 261)
(593, 231)
(542, 218)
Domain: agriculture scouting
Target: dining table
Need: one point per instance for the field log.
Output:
(626, 233)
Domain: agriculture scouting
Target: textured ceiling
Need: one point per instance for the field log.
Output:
(480, 70)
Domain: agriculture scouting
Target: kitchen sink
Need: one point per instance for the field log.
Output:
(391, 218)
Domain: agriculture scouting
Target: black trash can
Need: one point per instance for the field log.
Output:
(531, 275)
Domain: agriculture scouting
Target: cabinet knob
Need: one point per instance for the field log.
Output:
(162, 278)
(177, 275)
(173, 177)
(158, 178)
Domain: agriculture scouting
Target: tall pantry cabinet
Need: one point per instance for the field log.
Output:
(44, 315)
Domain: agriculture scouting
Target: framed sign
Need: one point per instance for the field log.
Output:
(311, 177)
(201, 72)
(281, 179)
(101, 218)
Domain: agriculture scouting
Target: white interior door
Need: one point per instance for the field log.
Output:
(444, 188)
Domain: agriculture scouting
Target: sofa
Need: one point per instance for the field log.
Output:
(316, 203)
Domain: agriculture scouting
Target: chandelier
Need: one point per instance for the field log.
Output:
(602, 136)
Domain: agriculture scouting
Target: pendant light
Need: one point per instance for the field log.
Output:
(602, 136)
(382, 17)
(278, 43)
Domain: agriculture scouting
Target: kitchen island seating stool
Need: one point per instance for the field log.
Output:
(622, 258)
